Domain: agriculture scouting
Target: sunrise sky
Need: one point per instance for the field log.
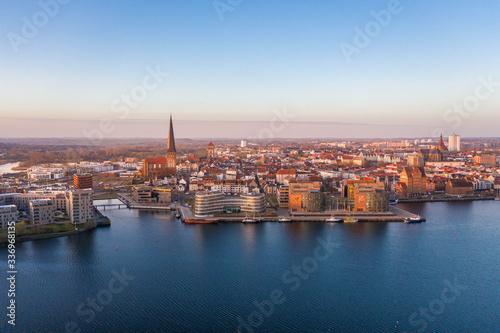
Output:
(231, 68)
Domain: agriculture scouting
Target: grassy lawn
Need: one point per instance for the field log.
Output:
(109, 195)
(25, 229)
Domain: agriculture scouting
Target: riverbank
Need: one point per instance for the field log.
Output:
(24, 233)
(394, 214)
(456, 199)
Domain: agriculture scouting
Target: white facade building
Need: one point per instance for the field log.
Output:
(454, 142)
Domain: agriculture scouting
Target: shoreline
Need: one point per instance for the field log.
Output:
(445, 199)
(28, 238)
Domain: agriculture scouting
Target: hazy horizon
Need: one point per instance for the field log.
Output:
(369, 68)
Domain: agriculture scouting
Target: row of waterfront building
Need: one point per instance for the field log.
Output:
(40, 208)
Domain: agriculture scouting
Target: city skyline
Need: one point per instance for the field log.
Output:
(402, 75)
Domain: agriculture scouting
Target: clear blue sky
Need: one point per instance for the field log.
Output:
(263, 55)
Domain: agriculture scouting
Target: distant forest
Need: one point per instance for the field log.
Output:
(32, 153)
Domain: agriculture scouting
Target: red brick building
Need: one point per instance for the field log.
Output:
(161, 167)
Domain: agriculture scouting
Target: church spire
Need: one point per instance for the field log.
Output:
(171, 139)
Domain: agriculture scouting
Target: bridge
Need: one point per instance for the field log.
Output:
(112, 205)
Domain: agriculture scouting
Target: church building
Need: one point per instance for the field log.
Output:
(161, 167)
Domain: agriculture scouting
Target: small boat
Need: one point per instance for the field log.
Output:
(201, 221)
(350, 220)
(413, 219)
(393, 201)
(177, 214)
(284, 220)
(248, 219)
(333, 219)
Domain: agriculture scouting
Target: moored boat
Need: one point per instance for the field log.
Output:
(333, 219)
(413, 219)
(284, 220)
(350, 220)
(249, 219)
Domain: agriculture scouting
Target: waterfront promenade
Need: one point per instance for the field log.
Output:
(394, 214)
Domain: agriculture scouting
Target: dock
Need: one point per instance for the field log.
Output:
(395, 214)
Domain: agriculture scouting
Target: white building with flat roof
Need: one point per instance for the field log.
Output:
(79, 206)
(454, 142)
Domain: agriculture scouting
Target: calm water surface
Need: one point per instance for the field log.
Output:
(7, 168)
(202, 278)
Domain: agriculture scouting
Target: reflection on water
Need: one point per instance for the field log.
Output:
(199, 278)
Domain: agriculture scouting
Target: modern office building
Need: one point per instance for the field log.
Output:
(371, 200)
(81, 182)
(215, 203)
(283, 196)
(454, 142)
(303, 196)
(148, 195)
(312, 201)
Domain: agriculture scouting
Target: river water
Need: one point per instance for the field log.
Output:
(270, 277)
(6, 168)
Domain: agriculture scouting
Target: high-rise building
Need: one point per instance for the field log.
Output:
(161, 167)
(82, 181)
(243, 143)
(79, 206)
(454, 142)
